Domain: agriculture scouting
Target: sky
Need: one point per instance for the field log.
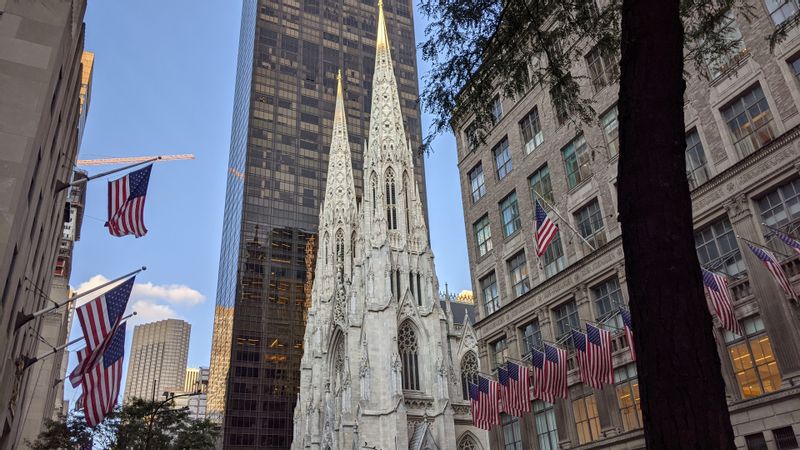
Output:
(163, 84)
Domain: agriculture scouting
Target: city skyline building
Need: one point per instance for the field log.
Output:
(289, 55)
(742, 164)
(40, 65)
(158, 357)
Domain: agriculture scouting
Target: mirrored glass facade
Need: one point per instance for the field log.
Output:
(289, 54)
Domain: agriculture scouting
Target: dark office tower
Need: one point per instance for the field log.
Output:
(289, 54)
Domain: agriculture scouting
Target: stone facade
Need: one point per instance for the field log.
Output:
(738, 183)
(382, 355)
(41, 42)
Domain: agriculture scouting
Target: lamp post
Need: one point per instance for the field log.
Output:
(153, 416)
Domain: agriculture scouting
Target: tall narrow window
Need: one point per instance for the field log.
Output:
(546, 431)
(696, 169)
(407, 342)
(471, 136)
(502, 158)
(373, 182)
(531, 131)
(540, 186)
(499, 351)
(469, 373)
(780, 209)
(509, 212)
(717, 248)
(611, 130)
(419, 290)
(719, 62)
(587, 420)
(512, 435)
(406, 194)
(566, 318)
(326, 247)
(518, 272)
(607, 297)
(532, 337)
(339, 246)
(628, 396)
(477, 183)
(483, 235)
(391, 201)
(752, 359)
(491, 300)
(590, 224)
(603, 67)
(750, 121)
(497, 109)
(553, 259)
(576, 161)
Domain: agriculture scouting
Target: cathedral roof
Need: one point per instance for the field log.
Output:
(460, 310)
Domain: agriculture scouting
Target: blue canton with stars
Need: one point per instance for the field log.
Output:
(551, 354)
(116, 348)
(502, 376)
(579, 340)
(138, 181)
(593, 335)
(537, 359)
(117, 300)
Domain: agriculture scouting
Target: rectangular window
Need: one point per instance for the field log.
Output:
(477, 183)
(471, 136)
(553, 259)
(491, 300)
(750, 121)
(532, 337)
(531, 131)
(497, 109)
(717, 248)
(499, 352)
(509, 213)
(607, 297)
(628, 396)
(586, 419)
(795, 65)
(512, 435)
(566, 318)
(603, 68)
(718, 63)
(781, 209)
(611, 130)
(752, 359)
(756, 442)
(540, 186)
(780, 10)
(785, 438)
(518, 272)
(483, 235)
(502, 158)
(576, 161)
(590, 224)
(696, 170)
(546, 431)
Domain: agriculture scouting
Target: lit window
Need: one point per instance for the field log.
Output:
(518, 271)
(497, 109)
(546, 431)
(611, 130)
(502, 158)
(566, 318)
(491, 300)
(512, 435)
(531, 131)
(590, 224)
(628, 396)
(576, 161)
(696, 170)
(553, 259)
(483, 235)
(752, 359)
(603, 68)
(586, 419)
(780, 10)
(607, 297)
(509, 212)
(717, 248)
(540, 186)
(750, 121)
(477, 182)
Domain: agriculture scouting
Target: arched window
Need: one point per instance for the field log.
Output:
(469, 373)
(407, 189)
(373, 182)
(391, 200)
(352, 248)
(340, 246)
(338, 366)
(467, 443)
(409, 350)
(326, 248)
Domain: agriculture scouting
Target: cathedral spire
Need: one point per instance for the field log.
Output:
(340, 198)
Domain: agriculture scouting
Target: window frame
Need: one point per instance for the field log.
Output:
(568, 320)
(531, 124)
(696, 162)
(602, 67)
(507, 165)
(547, 438)
(780, 8)
(753, 328)
(731, 258)
(496, 109)
(509, 214)
(575, 154)
(510, 426)
(482, 229)
(748, 143)
(607, 301)
(592, 422)
(626, 377)
(479, 177)
(541, 178)
(554, 260)
(611, 128)
(493, 304)
(518, 274)
(587, 218)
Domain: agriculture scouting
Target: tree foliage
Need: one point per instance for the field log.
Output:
(129, 427)
(478, 48)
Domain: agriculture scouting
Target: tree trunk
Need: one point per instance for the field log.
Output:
(680, 380)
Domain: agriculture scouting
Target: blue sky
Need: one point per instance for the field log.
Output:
(163, 84)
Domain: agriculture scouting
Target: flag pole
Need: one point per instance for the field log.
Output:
(566, 222)
(23, 318)
(60, 185)
(605, 324)
(764, 248)
(28, 361)
(777, 230)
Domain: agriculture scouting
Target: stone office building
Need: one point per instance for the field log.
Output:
(743, 165)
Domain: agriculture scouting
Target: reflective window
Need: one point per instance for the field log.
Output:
(532, 337)
(576, 161)
(497, 109)
(512, 435)
(499, 350)
(483, 235)
(590, 224)
(749, 121)
(611, 130)
(566, 318)
(717, 249)
(627, 386)
(509, 213)
(553, 259)
(780, 10)
(780, 209)
(540, 186)
(502, 158)
(696, 170)
(471, 137)
(531, 131)
(546, 431)
(603, 68)
(720, 62)
(752, 359)
(518, 272)
(607, 297)
(491, 299)
(477, 183)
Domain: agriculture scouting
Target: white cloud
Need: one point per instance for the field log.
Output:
(171, 293)
(93, 282)
(148, 311)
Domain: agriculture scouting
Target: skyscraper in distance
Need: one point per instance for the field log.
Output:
(289, 55)
(158, 357)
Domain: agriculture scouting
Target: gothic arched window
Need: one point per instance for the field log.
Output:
(339, 246)
(326, 247)
(352, 248)
(391, 200)
(338, 366)
(407, 189)
(409, 351)
(467, 443)
(373, 182)
(469, 373)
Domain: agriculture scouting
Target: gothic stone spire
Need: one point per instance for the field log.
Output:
(340, 197)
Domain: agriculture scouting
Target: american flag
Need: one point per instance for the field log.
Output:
(101, 383)
(775, 268)
(537, 361)
(786, 239)
(628, 323)
(98, 319)
(489, 393)
(505, 395)
(584, 366)
(518, 389)
(555, 371)
(717, 289)
(545, 230)
(126, 198)
(598, 349)
(475, 404)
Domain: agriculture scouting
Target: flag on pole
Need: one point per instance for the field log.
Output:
(489, 392)
(717, 288)
(786, 239)
(555, 371)
(598, 348)
(774, 266)
(126, 198)
(628, 323)
(99, 318)
(545, 229)
(584, 366)
(537, 361)
(518, 388)
(101, 383)
(505, 395)
(478, 416)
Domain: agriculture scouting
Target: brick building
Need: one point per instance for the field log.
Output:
(743, 164)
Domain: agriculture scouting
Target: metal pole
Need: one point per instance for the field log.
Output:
(60, 186)
(764, 248)
(566, 222)
(153, 416)
(23, 318)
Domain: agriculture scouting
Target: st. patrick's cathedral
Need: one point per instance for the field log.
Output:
(385, 359)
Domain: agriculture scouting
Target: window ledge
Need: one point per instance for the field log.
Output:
(577, 187)
(511, 236)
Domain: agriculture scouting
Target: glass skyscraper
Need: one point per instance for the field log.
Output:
(289, 55)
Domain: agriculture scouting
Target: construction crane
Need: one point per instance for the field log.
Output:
(131, 159)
